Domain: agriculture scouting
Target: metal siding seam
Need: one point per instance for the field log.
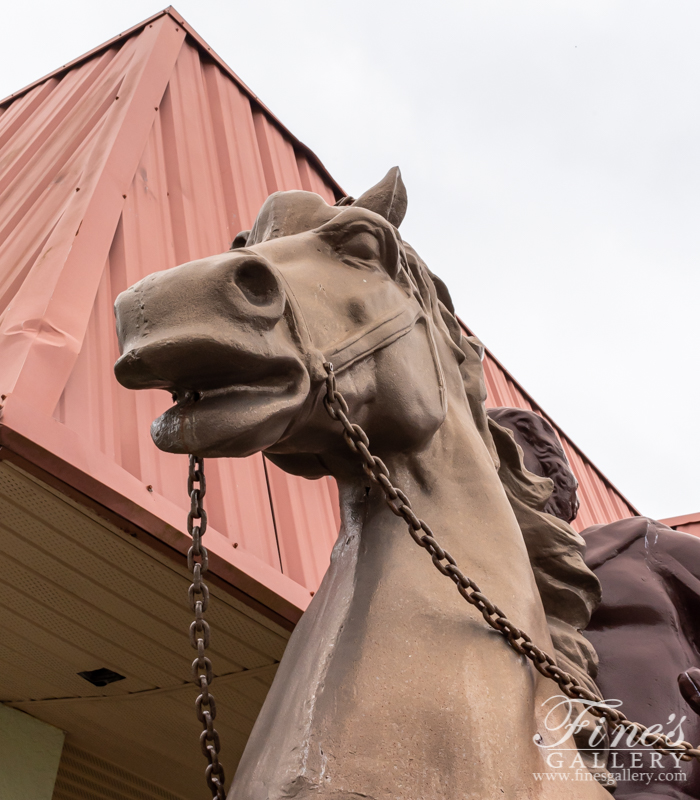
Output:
(10, 283)
(305, 526)
(272, 179)
(134, 235)
(103, 359)
(284, 158)
(16, 114)
(146, 229)
(304, 173)
(246, 503)
(203, 197)
(285, 524)
(53, 126)
(172, 179)
(507, 391)
(240, 152)
(218, 131)
(601, 492)
(73, 284)
(125, 405)
(493, 399)
(312, 181)
(277, 154)
(77, 394)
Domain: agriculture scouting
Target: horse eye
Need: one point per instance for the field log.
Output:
(362, 245)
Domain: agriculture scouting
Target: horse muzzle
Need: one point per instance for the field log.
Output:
(200, 325)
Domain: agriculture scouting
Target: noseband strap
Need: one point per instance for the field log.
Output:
(369, 340)
(357, 346)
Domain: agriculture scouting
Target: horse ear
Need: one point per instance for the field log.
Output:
(388, 198)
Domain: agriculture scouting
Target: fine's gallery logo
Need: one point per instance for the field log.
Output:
(576, 745)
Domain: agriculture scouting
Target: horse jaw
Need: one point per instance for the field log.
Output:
(235, 421)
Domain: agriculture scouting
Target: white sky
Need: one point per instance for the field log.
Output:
(551, 152)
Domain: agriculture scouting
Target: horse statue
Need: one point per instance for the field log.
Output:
(391, 685)
(646, 630)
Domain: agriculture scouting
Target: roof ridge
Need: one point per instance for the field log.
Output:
(85, 56)
(172, 12)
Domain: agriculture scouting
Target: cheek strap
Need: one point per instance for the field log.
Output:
(372, 338)
(358, 345)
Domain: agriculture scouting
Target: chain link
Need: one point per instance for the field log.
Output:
(377, 471)
(202, 673)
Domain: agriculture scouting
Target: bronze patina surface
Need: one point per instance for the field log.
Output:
(390, 687)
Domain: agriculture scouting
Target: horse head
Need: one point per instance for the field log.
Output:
(240, 339)
(243, 341)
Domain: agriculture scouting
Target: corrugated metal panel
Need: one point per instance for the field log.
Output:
(103, 133)
(210, 157)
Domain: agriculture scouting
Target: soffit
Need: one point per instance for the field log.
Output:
(78, 595)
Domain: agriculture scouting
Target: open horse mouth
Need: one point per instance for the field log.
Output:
(226, 398)
(213, 422)
(212, 333)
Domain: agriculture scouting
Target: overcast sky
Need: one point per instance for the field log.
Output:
(551, 152)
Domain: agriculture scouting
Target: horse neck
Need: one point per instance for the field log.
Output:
(454, 486)
(393, 623)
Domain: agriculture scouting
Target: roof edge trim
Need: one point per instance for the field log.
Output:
(201, 43)
(683, 519)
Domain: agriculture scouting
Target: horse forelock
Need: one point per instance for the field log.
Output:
(293, 212)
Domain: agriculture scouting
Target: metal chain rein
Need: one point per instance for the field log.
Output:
(377, 471)
(202, 673)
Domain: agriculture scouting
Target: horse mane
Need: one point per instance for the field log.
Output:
(569, 590)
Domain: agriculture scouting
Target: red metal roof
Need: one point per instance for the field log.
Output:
(688, 523)
(145, 153)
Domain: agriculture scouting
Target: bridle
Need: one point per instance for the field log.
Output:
(358, 345)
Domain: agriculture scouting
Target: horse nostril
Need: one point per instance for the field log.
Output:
(258, 283)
